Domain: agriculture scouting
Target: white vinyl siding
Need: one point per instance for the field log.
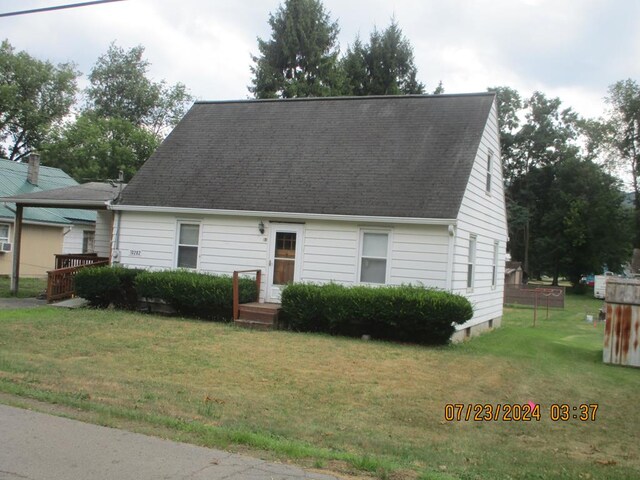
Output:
(73, 238)
(484, 216)
(104, 225)
(330, 249)
(188, 245)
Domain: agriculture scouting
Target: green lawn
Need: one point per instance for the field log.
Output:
(345, 405)
(28, 287)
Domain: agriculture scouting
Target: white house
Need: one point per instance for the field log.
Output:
(367, 190)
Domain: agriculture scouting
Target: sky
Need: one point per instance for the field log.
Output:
(572, 49)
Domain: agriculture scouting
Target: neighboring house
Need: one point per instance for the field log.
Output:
(46, 231)
(370, 190)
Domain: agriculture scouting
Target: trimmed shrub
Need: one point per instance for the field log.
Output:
(102, 286)
(405, 313)
(97, 285)
(194, 294)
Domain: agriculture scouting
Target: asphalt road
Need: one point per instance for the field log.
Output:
(37, 446)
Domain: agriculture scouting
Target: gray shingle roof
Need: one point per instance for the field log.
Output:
(407, 156)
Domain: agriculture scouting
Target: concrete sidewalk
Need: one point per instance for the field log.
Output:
(37, 446)
(13, 302)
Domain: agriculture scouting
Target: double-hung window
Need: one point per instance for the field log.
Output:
(471, 260)
(489, 171)
(373, 256)
(88, 241)
(494, 271)
(4, 233)
(188, 241)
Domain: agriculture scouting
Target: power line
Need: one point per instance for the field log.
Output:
(58, 7)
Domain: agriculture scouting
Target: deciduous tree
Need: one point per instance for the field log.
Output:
(624, 129)
(35, 95)
(95, 148)
(120, 88)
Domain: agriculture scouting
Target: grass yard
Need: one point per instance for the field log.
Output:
(349, 406)
(28, 287)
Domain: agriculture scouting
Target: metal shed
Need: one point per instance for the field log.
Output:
(622, 331)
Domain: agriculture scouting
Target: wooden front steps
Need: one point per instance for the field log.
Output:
(258, 316)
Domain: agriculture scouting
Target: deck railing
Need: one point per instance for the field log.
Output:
(77, 259)
(236, 289)
(61, 281)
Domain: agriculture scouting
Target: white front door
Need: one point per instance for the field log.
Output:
(285, 258)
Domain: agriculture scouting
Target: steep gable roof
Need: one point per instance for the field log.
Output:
(398, 156)
(13, 182)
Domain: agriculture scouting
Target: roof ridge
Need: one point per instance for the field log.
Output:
(346, 98)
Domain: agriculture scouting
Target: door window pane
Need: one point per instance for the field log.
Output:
(285, 245)
(284, 263)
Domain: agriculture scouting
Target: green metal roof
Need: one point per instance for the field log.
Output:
(13, 181)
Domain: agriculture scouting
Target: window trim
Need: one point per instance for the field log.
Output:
(8, 238)
(489, 177)
(387, 273)
(179, 224)
(85, 236)
(471, 261)
(494, 266)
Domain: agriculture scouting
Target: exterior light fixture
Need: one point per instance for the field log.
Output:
(261, 226)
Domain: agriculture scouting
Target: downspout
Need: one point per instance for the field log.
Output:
(115, 251)
(450, 255)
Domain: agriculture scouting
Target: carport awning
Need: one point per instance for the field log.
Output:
(88, 196)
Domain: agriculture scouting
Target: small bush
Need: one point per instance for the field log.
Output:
(195, 294)
(102, 286)
(405, 313)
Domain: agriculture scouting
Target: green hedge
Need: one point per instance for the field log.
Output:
(404, 313)
(195, 294)
(102, 286)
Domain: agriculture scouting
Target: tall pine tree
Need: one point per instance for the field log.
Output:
(301, 57)
(385, 66)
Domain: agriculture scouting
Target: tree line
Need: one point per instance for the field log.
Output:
(120, 121)
(568, 214)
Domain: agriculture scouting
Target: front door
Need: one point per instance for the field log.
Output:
(285, 247)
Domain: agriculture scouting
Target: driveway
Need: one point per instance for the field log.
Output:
(37, 446)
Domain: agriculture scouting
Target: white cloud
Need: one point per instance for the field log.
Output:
(572, 48)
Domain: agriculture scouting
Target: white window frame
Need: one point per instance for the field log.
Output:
(178, 244)
(86, 243)
(471, 261)
(494, 268)
(6, 239)
(489, 179)
(387, 273)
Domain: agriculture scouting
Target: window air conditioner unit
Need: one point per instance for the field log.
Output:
(5, 247)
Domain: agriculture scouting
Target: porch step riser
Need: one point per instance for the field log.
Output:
(269, 317)
(253, 325)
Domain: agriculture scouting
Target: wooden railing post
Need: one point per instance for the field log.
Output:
(258, 281)
(236, 296)
(236, 289)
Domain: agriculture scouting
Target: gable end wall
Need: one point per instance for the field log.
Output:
(484, 215)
